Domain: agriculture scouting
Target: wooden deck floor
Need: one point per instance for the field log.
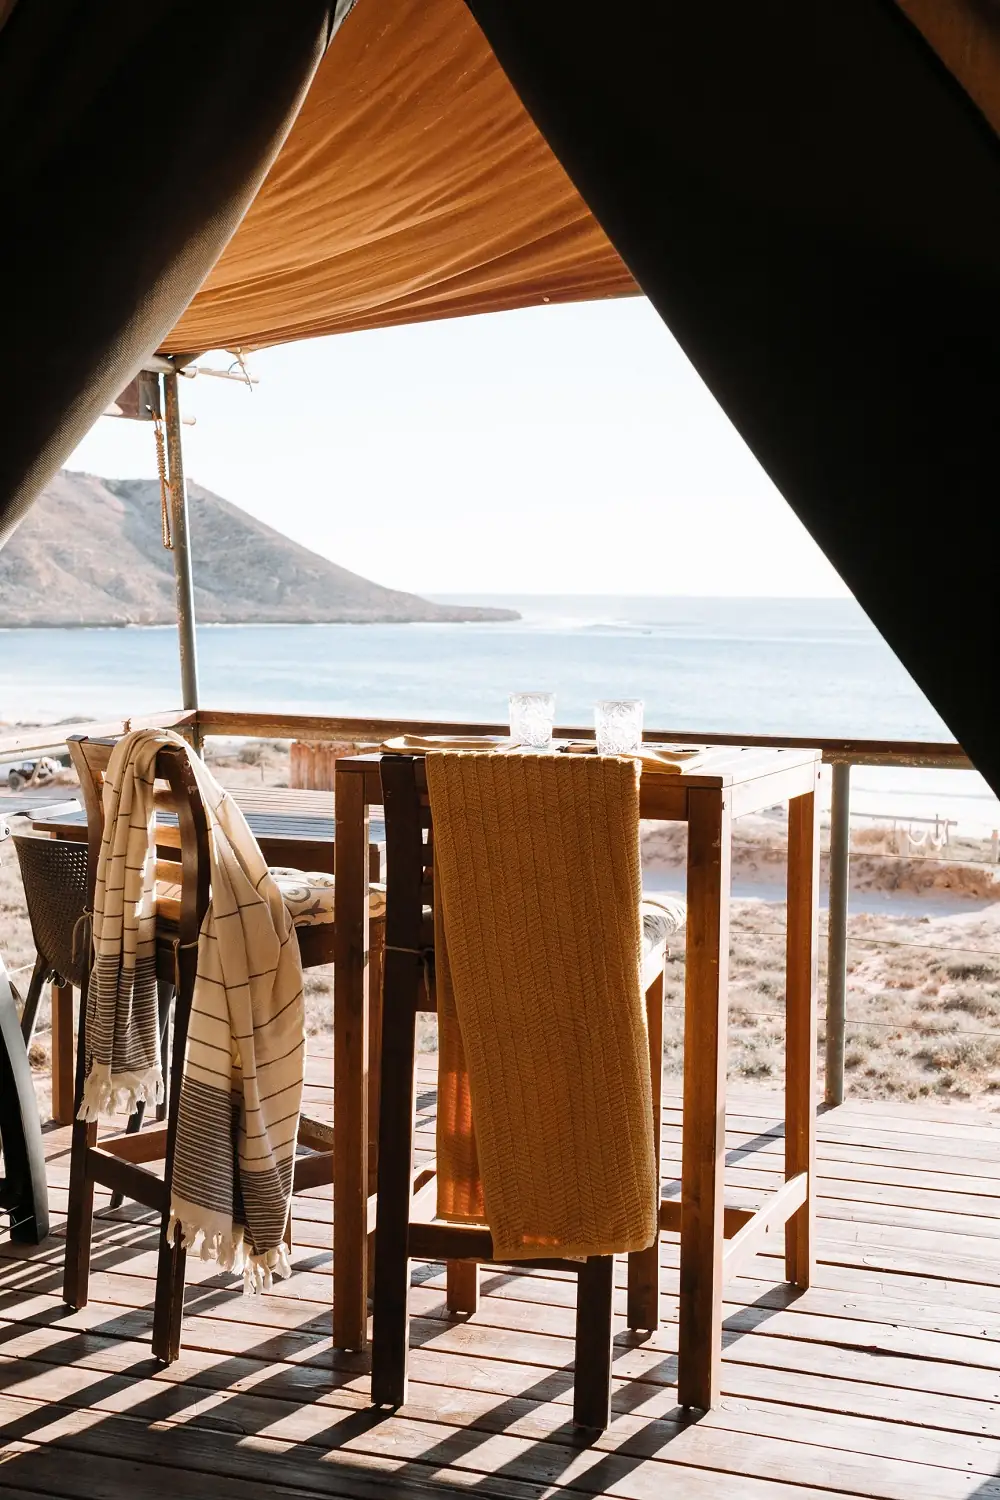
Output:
(883, 1380)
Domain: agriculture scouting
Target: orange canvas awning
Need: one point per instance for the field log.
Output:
(412, 186)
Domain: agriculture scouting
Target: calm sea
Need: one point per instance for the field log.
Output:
(796, 667)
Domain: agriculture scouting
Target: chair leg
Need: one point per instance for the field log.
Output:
(80, 1214)
(462, 1295)
(594, 1335)
(643, 1304)
(29, 1014)
(168, 1308)
(391, 1326)
(62, 1053)
(168, 1304)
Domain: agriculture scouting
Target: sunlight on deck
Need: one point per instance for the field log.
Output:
(880, 1381)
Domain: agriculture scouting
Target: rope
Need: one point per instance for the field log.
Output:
(425, 955)
(239, 360)
(178, 947)
(166, 493)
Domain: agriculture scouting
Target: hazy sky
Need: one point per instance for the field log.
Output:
(554, 450)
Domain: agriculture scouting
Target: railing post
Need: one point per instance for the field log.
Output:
(836, 959)
(183, 577)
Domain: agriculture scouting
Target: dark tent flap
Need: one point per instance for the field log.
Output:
(813, 205)
(132, 139)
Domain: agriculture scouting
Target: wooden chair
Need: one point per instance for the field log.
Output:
(118, 1163)
(183, 894)
(90, 759)
(54, 876)
(405, 1224)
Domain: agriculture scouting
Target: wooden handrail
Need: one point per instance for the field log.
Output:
(856, 752)
(224, 722)
(51, 736)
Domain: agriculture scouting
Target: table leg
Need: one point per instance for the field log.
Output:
(62, 1054)
(800, 1035)
(350, 1068)
(703, 1144)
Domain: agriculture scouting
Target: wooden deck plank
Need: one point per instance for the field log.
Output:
(882, 1380)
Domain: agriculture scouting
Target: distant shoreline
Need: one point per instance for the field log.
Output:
(481, 617)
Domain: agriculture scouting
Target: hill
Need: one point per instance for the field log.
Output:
(89, 552)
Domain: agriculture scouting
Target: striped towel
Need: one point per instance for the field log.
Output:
(241, 1087)
(545, 1118)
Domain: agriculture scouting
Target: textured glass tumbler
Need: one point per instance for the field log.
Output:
(532, 716)
(618, 722)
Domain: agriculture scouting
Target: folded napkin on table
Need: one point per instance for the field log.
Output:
(651, 757)
(419, 742)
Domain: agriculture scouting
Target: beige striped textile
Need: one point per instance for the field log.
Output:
(242, 1079)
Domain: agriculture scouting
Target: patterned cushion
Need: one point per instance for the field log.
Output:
(662, 916)
(308, 894)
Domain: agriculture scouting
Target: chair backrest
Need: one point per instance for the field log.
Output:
(409, 852)
(90, 762)
(91, 758)
(55, 877)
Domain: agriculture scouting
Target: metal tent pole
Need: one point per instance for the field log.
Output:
(836, 960)
(183, 580)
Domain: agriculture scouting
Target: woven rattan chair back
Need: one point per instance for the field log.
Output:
(54, 873)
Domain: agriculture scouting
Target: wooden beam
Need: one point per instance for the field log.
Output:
(51, 737)
(775, 1213)
(146, 1145)
(733, 1217)
(125, 1177)
(376, 730)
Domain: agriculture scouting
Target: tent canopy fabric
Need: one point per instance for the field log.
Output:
(414, 185)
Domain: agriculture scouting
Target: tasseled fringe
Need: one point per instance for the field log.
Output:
(105, 1093)
(229, 1250)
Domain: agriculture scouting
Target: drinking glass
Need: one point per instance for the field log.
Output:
(618, 722)
(532, 716)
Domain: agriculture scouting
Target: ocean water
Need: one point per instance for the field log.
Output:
(756, 666)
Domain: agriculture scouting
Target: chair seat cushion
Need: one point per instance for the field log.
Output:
(662, 916)
(308, 895)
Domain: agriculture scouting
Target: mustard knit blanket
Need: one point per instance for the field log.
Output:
(545, 1124)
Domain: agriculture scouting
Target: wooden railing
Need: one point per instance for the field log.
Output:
(841, 754)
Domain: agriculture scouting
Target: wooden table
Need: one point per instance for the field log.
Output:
(293, 827)
(708, 794)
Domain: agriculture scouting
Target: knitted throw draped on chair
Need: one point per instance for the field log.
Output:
(543, 1046)
(241, 1086)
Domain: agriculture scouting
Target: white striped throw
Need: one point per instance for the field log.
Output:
(241, 1087)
